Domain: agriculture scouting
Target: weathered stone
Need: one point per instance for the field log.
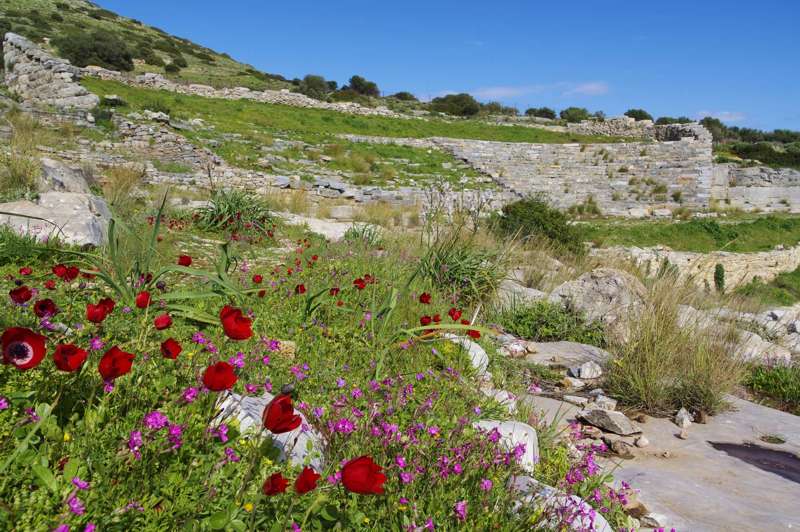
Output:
(512, 434)
(478, 357)
(59, 177)
(610, 296)
(611, 421)
(571, 382)
(565, 354)
(576, 400)
(511, 294)
(683, 418)
(606, 403)
(588, 370)
(642, 441)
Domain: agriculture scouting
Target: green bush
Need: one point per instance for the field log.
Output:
(638, 114)
(234, 210)
(541, 112)
(766, 153)
(404, 96)
(496, 108)
(665, 120)
(315, 86)
(96, 48)
(779, 383)
(548, 322)
(172, 68)
(574, 114)
(456, 104)
(348, 95)
(719, 278)
(363, 86)
(179, 61)
(534, 217)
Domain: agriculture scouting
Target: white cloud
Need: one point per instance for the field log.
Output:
(725, 116)
(503, 92)
(590, 88)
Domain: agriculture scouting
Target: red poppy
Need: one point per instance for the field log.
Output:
(170, 348)
(362, 475)
(360, 283)
(22, 347)
(262, 293)
(25, 270)
(96, 313)
(258, 279)
(307, 481)
(219, 377)
(50, 284)
(108, 303)
(334, 291)
(464, 322)
(300, 289)
(454, 313)
(184, 260)
(21, 295)
(340, 303)
(275, 484)
(425, 298)
(279, 416)
(115, 363)
(235, 325)
(425, 321)
(437, 318)
(474, 334)
(314, 258)
(59, 270)
(68, 357)
(44, 308)
(162, 322)
(66, 273)
(143, 299)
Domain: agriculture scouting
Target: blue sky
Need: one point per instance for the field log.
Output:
(737, 60)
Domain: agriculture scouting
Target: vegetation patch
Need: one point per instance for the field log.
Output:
(778, 385)
(548, 322)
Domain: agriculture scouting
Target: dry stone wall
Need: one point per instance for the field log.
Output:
(38, 78)
(758, 188)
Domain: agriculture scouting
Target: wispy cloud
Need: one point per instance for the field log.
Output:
(725, 116)
(590, 88)
(502, 92)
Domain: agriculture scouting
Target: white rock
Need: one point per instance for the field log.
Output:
(587, 370)
(606, 403)
(533, 493)
(574, 383)
(683, 418)
(576, 400)
(642, 441)
(513, 433)
(654, 520)
(478, 357)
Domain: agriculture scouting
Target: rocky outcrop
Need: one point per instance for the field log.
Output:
(38, 78)
(612, 297)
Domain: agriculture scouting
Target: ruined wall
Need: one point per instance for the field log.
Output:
(759, 188)
(38, 78)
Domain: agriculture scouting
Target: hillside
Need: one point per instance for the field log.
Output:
(40, 19)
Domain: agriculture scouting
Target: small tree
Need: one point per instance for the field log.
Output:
(314, 86)
(96, 48)
(574, 114)
(456, 104)
(363, 86)
(541, 112)
(664, 120)
(719, 278)
(639, 114)
(404, 96)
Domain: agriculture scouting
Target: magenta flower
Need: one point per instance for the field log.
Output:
(155, 420)
(96, 344)
(174, 434)
(3, 403)
(460, 509)
(135, 444)
(190, 394)
(75, 505)
(80, 484)
(486, 484)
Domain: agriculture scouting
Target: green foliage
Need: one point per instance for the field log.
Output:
(784, 290)
(100, 48)
(23, 249)
(780, 384)
(364, 234)
(665, 120)
(719, 278)
(549, 322)
(234, 210)
(404, 96)
(638, 114)
(363, 86)
(574, 114)
(496, 108)
(541, 112)
(767, 154)
(534, 217)
(349, 95)
(456, 104)
(171, 68)
(315, 87)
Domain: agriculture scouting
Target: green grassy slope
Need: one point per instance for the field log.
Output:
(37, 19)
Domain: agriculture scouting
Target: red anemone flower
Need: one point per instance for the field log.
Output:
(44, 308)
(334, 291)
(300, 289)
(360, 283)
(184, 260)
(275, 484)
(170, 348)
(50, 284)
(162, 322)
(108, 303)
(362, 475)
(425, 298)
(425, 321)
(25, 270)
(68, 357)
(279, 416)
(66, 273)
(454, 313)
(307, 481)
(219, 377)
(115, 363)
(235, 325)
(474, 334)
(143, 299)
(22, 348)
(96, 313)
(21, 295)
(258, 279)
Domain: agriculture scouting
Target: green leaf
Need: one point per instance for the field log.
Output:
(45, 477)
(219, 520)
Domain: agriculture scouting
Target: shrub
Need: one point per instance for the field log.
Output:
(665, 120)
(549, 322)
(541, 112)
(779, 383)
(363, 86)
(149, 56)
(456, 104)
(404, 96)
(314, 86)
(233, 210)
(179, 61)
(119, 182)
(574, 114)
(348, 95)
(667, 363)
(638, 114)
(719, 278)
(533, 216)
(367, 235)
(96, 48)
(172, 68)
(496, 108)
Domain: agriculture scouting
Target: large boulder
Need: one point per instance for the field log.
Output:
(565, 354)
(511, 293)
(74, 218)
(612, 297)
(59, 177)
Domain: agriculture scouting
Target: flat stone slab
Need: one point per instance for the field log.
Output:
(701, 485)
(566, 354)
(330, 229)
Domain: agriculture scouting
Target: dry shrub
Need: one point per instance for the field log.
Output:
(119, 183)
(669, 362)
(19, 167)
